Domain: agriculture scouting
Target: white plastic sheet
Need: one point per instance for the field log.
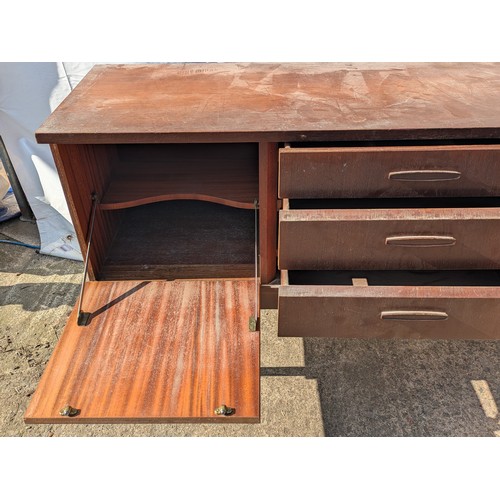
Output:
(29, 92)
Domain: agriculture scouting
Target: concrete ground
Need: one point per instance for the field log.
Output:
(309, 387)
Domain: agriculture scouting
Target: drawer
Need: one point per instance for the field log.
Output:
(392, 305)
(409, 238)
(384, 172)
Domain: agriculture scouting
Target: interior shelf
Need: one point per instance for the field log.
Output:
(220, 173)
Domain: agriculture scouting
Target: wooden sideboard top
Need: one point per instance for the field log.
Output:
(229, 102)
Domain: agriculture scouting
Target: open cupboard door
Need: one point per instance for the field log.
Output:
(155, 351)
(170, 311)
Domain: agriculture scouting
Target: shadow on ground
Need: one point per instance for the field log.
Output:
(39, 296)
(19, 260)
(400, 388)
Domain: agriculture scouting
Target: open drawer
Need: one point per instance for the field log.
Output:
(389, 171)
(390, 304)
(155, 351)
(332, 235)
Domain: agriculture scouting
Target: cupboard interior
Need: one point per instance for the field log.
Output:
(169, 211)
(182, 239)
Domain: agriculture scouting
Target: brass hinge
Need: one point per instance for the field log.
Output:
(224, 410)
(252, 323)
(68, 411)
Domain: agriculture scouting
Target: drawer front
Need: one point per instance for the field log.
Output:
(385, 172)
(389, 312)
(466, 238)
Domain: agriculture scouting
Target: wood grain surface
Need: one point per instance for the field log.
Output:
(155, 352)
(365, 239)
(389, 312)
(385, 172)
(86, 169)
(278, 102)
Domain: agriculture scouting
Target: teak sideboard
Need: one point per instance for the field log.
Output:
(361, 200)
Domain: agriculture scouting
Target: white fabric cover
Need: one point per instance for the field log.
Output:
(29, 92)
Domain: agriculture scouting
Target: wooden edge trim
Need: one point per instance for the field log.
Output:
(155, 199)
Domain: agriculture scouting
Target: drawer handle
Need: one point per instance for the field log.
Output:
(414, 315)
(421, 241)
(425, 175)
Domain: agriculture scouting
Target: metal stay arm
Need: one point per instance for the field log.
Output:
(253, 323)
(83, 317)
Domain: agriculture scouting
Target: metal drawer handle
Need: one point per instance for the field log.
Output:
(414, 315)
(425, 175)
(421, 241)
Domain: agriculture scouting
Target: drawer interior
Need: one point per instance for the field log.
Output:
(380, 203)
(479, 278)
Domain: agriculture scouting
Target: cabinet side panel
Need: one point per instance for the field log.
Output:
(83, 170)
(268, 215)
